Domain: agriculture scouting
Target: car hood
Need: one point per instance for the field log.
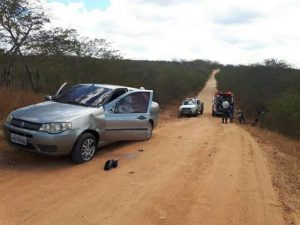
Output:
(49, 111)
(187, 107)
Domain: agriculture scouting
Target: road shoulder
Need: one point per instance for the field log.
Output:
(283, 156)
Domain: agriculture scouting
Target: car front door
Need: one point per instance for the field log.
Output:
(127, 117)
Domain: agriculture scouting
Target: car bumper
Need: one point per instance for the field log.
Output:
(187, 113)
(219, 113)
(43, 142)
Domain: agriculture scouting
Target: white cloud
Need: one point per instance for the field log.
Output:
(229, 31)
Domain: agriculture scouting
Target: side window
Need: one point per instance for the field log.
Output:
(116, 95)
(133, 103)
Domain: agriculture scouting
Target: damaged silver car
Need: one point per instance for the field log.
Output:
(80, 119)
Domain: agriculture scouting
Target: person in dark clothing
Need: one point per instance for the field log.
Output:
(260, 113)
(231, 111)
(241, 116)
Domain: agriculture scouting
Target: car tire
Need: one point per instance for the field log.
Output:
(84, 149)
(149, 131)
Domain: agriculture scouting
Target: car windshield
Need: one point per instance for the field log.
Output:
(85, 95)
(189, 102)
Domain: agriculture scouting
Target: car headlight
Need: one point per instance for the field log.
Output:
(9, 118)
(54, 128)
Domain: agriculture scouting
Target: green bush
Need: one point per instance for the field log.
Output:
(284, 115)
(170, 80)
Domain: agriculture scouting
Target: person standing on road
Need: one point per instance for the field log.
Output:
(225, 107)
(231, 111)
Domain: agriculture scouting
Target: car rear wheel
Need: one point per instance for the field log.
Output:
(84, 149)
(149, 131)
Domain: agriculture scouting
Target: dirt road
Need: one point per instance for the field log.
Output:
(193, 171)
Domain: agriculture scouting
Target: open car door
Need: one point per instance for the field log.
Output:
(128, 117)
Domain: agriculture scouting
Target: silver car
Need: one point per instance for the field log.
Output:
(80, 119)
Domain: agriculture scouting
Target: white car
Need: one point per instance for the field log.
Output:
(191, 106)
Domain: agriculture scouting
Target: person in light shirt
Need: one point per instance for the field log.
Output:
(225, 106)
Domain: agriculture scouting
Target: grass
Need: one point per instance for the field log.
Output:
(12, 98)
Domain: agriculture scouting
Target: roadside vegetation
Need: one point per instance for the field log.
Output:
(274, 85)
(170, 80)
(12, 98)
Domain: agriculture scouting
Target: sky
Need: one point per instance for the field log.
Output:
(227, 31)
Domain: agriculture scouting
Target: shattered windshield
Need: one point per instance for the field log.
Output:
(85, 95)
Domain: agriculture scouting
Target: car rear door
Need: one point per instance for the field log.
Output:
(127, 117)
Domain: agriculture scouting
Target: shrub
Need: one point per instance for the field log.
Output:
(171, 81)
(13, 98)
(284, 115)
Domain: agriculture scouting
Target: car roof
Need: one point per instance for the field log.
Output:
(111, 86)
(223, 93)
(187, 99)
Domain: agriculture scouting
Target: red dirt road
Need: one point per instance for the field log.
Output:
(193, 171)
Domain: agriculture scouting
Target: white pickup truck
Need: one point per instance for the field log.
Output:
(191, 106)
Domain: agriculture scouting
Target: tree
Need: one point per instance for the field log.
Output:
(19, 19)
(277, 63)
(59, 41)
(97, 48)
(22, 34)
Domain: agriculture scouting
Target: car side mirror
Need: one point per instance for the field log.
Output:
(48, 98)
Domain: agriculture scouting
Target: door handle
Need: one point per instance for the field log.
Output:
(142, 118)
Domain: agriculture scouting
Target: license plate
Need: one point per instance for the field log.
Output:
(18, 139)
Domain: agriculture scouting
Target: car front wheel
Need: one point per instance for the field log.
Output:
(84, 149)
